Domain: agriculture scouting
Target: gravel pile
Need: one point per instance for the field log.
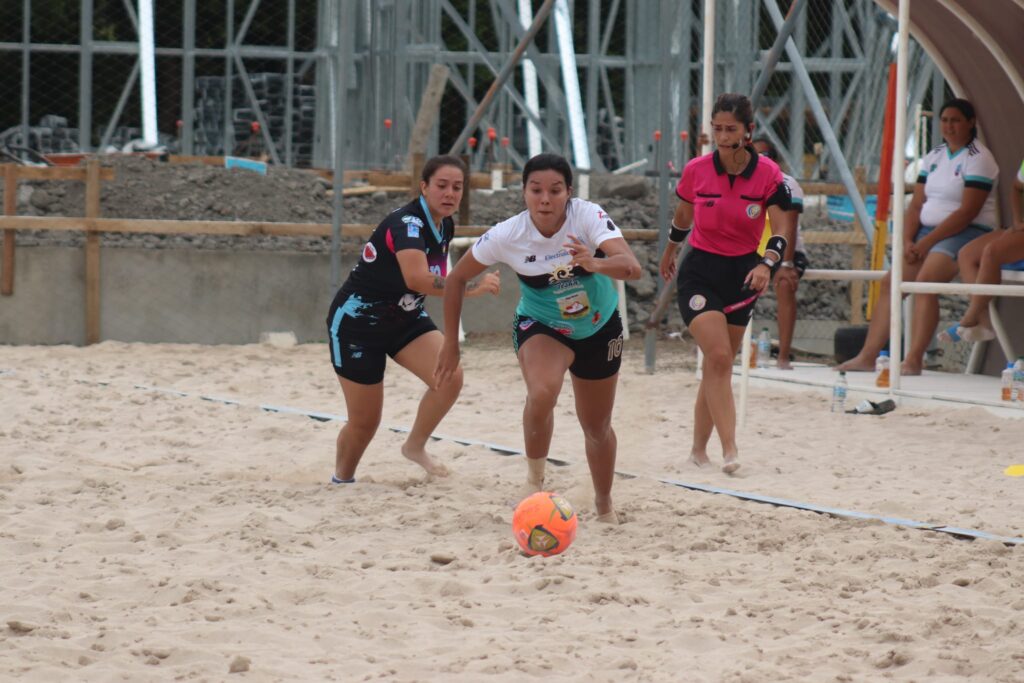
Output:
(145, 188)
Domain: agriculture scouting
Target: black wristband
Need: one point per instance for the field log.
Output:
(677, 235)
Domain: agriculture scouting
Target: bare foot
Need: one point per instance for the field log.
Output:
(909, 369)
(605, 511)
(732, 463)
(976, 333)
(528, 489)
(784, 364)
(699, 459)
(857, 364)
(610, 517)
(423, 459)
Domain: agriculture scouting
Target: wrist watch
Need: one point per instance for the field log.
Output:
(787, 264)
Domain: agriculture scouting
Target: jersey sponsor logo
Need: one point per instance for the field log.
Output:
(698, 302)
(956, 171)
(753, 210)
(601, 214)
(413, 230)
(369, 252)
(408, 302)
(560, 273)
(575, 305)
(526, 323)
(596, 318)
(559, 254)
(412, 220)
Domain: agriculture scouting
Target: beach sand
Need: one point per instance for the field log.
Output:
(146, 535)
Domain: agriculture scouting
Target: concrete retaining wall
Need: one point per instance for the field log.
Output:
(191, 296)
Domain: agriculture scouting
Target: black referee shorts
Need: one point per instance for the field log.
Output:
(712, 282)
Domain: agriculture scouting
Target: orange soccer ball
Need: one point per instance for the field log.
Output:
(544, 524)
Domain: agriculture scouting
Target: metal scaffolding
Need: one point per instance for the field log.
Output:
(637, 61)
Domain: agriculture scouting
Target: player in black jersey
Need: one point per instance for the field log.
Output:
(378, 312)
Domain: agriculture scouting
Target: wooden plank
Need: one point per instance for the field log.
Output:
(418, 161)
(194, 159)
(465, 210)
(10, 209)
(92, 253)
(845, 237)
(54, 172)
(430, 109)
(367, 189)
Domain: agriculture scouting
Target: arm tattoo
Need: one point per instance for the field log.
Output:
(438, 282)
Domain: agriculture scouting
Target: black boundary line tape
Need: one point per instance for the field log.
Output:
(956, 532)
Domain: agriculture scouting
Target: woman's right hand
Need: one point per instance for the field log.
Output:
(447, 362)
(667, 267)
(489, 283)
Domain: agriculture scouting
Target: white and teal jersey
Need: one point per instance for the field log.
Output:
(569, 299)
(945, 175)
(796, 203)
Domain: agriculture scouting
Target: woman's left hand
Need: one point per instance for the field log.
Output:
(917, 251)
(757, 280)
(581, 254)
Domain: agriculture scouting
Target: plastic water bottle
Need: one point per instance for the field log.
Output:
(764, 348)
(1007, 380)
(1018, 379)
(882, 369)
(839, 394)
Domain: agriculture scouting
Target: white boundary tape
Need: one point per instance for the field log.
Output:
(508, 450)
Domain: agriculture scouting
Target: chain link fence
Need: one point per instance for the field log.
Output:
(273, 79)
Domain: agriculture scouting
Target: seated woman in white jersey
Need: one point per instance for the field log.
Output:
(565, 251)
(983, 262)
(794, 262)
(953, 204)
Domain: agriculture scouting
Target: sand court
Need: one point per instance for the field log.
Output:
(146, 535)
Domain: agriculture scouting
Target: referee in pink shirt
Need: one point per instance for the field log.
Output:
(724, 198)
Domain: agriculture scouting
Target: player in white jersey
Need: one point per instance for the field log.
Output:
(794, 262)
(565, 252)
(952, 205)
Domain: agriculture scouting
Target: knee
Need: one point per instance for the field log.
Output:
(990, 254)
(542, 397)
(453, 387)
(718, 362)
(597, 430)
(784, 287)
(362, 426)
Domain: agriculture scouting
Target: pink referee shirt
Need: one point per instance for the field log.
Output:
(729, 212)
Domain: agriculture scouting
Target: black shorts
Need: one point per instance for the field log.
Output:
(712, 282)
(599, 356)
(359, 350)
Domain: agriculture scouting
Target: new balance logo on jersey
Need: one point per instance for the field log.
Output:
(532, 258)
